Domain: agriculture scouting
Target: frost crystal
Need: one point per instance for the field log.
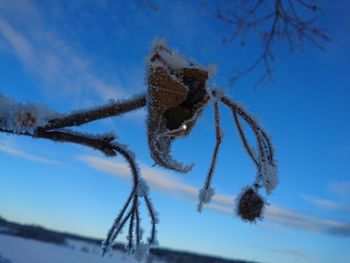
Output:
(143, 188)
(219, 93)
(106, 247)
(212, 69)
(156, 218)
(269, 177)
(173, 59)
(141, 251)
(140, 233)
(204, 197)
(23, 118)
(154, 243)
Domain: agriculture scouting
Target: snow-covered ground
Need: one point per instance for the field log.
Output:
(20, 250)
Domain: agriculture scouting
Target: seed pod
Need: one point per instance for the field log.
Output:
(176, 97)
(250, 205)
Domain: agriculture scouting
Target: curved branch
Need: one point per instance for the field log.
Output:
(101, 143)
(244, 138)
(206, 192)
(118, 224)
(264, 144)
(27, 120)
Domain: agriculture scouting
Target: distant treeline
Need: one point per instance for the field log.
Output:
(59, 238)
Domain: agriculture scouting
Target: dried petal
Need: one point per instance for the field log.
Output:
(176, 97)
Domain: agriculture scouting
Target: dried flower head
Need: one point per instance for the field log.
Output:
(250, 205)
(176, 97)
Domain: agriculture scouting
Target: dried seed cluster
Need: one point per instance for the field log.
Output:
(250, 205)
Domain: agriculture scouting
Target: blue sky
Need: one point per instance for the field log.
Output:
(69, 55)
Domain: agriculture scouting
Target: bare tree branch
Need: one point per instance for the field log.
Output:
(268, 20)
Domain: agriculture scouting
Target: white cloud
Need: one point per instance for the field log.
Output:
(62, 69)
(328, 205)
(167, 184)
(341, 188)
(308, 223)
(21, 46)
(157, 179)
(12, 150)
(321, 202)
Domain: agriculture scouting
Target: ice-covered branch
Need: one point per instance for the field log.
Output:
(38, 122)
(263, 158)
(22, 118)
(207, 192)
(177, 95)
(112, 109)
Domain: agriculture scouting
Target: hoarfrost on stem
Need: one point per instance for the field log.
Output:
(23, 118)
(267, 174)
(204, 197)
(141, 251)
(143, 188)
(171, 58)
(177, 94)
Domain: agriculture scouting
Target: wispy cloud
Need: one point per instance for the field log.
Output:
(157, 179)
(341, 188)
(21, 46)
(167, 184)
(327, 204)
(12, 150)
(306, 222)
(321, 202)
(55, 62)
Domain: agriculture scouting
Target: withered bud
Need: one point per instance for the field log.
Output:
(250, 205)
(26, 119)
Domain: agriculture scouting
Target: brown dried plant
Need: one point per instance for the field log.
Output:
(177, 94)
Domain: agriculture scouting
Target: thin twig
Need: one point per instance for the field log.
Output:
(154, 219)
(56, 130)
(243, 138)
(117, 225)
(218, 134)
(267, 21)
(260, 134)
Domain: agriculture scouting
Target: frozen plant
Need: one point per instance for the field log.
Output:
(177, 94)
